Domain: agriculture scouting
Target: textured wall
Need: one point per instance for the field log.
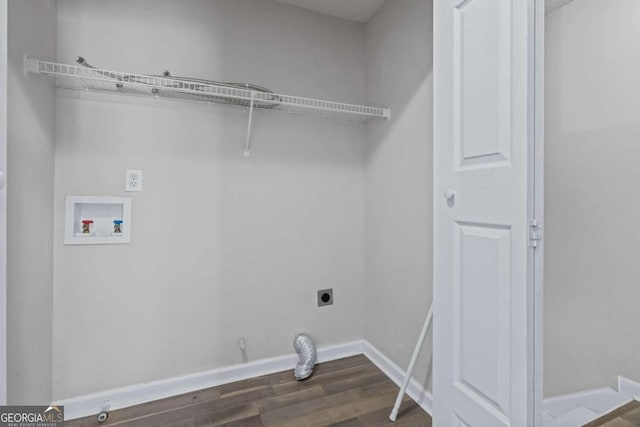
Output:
(30, 157)
(591, 199)
(399, 180)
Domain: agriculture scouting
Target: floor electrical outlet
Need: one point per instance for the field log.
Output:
(133, 180)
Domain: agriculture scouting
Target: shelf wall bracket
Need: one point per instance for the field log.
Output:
(247, 146)
(31, 65)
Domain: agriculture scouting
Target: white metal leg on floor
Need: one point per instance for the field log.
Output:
(412, 365)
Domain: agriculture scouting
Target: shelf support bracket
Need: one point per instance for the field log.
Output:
(247, 146)
(31, 65)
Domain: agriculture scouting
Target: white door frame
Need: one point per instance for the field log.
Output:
(4, 23)
(537, 202)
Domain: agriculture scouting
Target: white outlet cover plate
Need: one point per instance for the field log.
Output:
(133, 180)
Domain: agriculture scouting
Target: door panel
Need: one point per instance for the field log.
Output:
(481, 366)
(481, 83)
(483, 304)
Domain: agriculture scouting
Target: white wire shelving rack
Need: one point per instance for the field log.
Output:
(101, 80)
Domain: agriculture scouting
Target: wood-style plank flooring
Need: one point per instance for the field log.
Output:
(348, 392)
(625, 416)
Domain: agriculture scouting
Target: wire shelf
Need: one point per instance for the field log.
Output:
(96, 79)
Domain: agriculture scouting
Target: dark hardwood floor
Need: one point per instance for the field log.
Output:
(349, 392)
(625, 416)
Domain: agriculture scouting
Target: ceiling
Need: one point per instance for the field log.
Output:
(363, 10)
(354, 10)
(551, 5)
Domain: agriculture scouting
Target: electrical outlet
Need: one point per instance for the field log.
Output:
(133, 180)
(325, 297)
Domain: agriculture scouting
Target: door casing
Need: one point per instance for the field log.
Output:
(4, 24)
(536, 199)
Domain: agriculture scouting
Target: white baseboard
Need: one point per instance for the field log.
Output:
(629, 388)
(122, 397)
(599, 400)
(415, 390)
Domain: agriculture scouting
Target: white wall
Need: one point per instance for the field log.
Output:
(222, 246)
(592, 274)
(30, 155)
(399, 180)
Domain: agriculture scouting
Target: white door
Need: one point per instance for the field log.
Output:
(3, 202)
(484, 300)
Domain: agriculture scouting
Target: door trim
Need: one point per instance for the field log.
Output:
(537, 207)
(4, 30)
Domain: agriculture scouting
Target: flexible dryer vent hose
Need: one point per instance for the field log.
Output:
(306, 349)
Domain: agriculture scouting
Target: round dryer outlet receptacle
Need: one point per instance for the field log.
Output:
(325, 297)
